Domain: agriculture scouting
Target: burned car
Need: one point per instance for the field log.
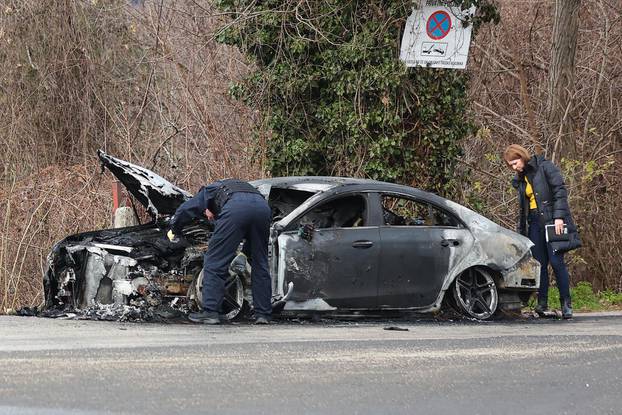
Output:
(336, 245)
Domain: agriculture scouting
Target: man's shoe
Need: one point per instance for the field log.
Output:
(262, 320)
(204, 317)
(566, 308)
(541, 308)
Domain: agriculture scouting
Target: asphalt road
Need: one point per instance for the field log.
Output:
(436, 367)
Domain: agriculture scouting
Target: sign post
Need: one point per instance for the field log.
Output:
(435, 36)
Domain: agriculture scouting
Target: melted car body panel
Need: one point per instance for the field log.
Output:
(525, 274)
(157, 194)
(416, 261)
(333, 265)
(99, 267)
(499, 248)
(314, 304)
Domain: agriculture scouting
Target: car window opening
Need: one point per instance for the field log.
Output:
(284, 201)
(344, 212)
(402, 211)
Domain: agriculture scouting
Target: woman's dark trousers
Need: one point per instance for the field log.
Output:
(543, 253)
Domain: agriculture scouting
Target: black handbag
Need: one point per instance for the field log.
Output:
(567, 241)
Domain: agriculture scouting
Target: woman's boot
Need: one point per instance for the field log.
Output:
(566, 308)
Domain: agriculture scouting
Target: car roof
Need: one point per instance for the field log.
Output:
(322, 183)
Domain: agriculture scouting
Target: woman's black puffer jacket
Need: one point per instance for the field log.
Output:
(551, 197)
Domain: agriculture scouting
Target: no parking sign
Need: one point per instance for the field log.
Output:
(435, 36)
(438, 25)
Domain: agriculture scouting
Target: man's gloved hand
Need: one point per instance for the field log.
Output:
(171, 236)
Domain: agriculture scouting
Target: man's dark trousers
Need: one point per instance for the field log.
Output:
(244, 216)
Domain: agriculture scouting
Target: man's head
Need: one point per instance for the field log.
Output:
(516, 157)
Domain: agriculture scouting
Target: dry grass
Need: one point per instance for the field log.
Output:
(39, 210)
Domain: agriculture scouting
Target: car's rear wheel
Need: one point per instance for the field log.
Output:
(233, 305)
(475, 293)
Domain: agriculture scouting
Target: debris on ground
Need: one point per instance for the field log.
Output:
(27, 311)
(113, 312)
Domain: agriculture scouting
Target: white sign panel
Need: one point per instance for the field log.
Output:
(435, 37)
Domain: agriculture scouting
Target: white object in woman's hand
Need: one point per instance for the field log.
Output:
(559, 226)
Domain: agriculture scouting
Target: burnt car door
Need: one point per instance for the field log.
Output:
(330, 253)
(421, 242)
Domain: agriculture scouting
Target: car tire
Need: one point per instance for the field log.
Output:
(235, 305)
(475, 294)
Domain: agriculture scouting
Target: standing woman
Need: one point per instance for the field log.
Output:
(543, 200)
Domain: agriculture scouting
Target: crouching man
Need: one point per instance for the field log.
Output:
(240, 213)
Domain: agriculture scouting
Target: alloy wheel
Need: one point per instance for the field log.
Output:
(233, 300)
(475, 293)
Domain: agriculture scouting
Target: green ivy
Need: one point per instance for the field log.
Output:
(337, 100)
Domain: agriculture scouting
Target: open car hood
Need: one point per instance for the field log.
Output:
(157, 194)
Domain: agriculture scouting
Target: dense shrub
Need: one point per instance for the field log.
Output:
(337, 100)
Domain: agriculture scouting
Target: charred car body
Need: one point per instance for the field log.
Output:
(336, 244)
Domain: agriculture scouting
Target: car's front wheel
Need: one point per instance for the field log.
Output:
(475, 293)
(233, 305)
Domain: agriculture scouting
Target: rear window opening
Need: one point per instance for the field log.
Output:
(403, 211)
